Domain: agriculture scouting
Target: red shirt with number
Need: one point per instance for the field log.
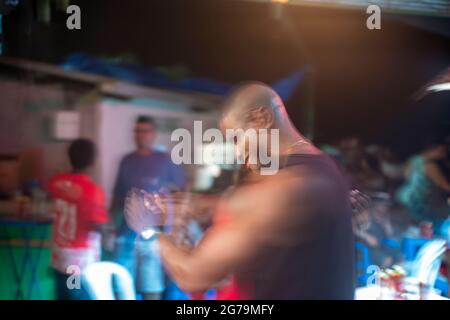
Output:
(79, 203)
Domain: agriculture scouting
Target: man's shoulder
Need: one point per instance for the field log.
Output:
(128, 156)
(88, 181)
(163, 157)
(91, 190)
(154, 154)
(300, 184)
(161, 154)
(61, 178)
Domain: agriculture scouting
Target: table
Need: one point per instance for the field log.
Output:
(373, 293)
(33, 235)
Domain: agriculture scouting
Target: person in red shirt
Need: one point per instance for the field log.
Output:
(80, 210)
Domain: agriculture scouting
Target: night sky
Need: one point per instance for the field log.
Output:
(361, 83)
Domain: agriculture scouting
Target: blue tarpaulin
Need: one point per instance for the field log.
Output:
(156, 78)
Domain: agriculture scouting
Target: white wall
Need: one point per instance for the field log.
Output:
(26, 110)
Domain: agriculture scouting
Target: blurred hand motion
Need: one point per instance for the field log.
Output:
(145, 210)
(359, 202)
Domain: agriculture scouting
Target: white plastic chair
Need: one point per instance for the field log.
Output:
(98, 278)
(425, 267)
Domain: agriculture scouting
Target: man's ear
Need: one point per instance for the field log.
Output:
(259, 117)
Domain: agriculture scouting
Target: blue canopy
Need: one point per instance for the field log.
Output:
(156, 78)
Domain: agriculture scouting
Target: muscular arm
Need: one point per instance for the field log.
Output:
(227, 248)
(219, 253)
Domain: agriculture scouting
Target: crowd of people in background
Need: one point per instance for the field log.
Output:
(82, 217)
(405, 195)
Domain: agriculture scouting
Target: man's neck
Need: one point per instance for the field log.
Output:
(143, 151)
(296, 144)
(81, 171)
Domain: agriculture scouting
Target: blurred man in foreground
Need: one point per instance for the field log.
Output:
(148, 170)
(80, 212)
(282, 236)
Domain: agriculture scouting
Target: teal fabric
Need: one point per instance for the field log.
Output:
(423, 199)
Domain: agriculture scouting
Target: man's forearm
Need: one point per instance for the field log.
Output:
(180, 265)
(221, 252)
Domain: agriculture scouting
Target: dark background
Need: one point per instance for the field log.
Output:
(361, 82)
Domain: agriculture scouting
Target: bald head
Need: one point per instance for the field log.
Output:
(258, 113)
(255, 105)
(250, 96)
